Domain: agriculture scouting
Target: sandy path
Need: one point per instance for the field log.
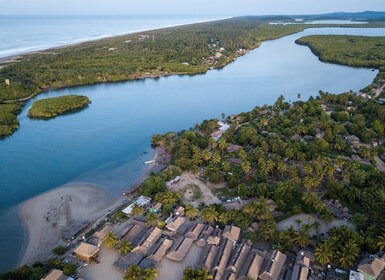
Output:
(46, 215)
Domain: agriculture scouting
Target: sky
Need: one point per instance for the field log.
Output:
(190, 7)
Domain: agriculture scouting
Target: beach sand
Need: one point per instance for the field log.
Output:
(46, 215)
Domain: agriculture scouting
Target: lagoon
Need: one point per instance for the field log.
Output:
(108, 142)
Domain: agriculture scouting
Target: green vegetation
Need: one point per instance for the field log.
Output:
(136, 273)
(52, 107)
(196, 274)
(59, 250)
(8, 119)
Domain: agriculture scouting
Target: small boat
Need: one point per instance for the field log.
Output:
(150, 161)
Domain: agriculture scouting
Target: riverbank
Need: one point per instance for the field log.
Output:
(45, 216)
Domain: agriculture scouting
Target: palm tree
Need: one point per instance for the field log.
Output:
(137, 210)
(216, 158)
(381, 242)
(209, 214)
(222, 144)
(111, 240)
(246, 166)
(151, 219)
(346, 255)
(196, 274)
(302, 239)
(124, 247)
(191, 211)
(136, 273)
(324, 252)
(213, 143)
(206, 155)
(226, 166)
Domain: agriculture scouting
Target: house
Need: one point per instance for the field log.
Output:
(233, 148)
(175, 224)
(371, 267)
(207, 257)
(86, 252)
(148, 241)
(231, 232)
(301, 267)
(102, 233)
(238, 257)
(56, 274)
(141, 201)
(134, 234)
(336, 208)
(221, 258)
(228, 275)
(179, 211)
(195, 231)
(159, 250)
(235, 161)
(74, 230)
(215, 237)
(206, 232)
(125, 261)
(272, 265)
(147, 263)
(170, 183)
(180, 249)
(252, 266)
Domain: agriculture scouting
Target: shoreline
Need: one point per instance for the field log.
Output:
(44, 216)
(15, 57)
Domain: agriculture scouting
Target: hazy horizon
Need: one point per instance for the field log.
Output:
(186, 7)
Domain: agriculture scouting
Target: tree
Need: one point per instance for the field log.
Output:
(137, 210)
(196, 274)
(151, 219)
(59, 250)
(206, 155)
(190, 211)
(124, 247)
(136, 273)
(69, 269)
(302, 239)
(324, 252)
(381, 242)
(346, 255)
(209, 214)
(111, 240)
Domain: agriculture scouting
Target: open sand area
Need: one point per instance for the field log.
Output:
(187, 187)
(104, 269)
(46, 215)
(171, 270)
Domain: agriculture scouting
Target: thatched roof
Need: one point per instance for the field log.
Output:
(180, 248)
(207, 257)
(158, 251)
(231, 232)
(222, 257)
(272, 265)
(202, 239)
(86, 250)
(125, 261)
(102, 233)
(148, 241)
(179, 211)
(55, 274)
(372, 266)
(252, 266)
(134, 234)
(147, 263)
(215, 237)
(195, 231)
(175, 224)
(238, 257)
(228, 275)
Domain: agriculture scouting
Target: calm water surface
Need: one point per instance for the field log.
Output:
(105, 143)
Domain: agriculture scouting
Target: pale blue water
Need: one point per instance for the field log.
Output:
(20, 34)
(105, 143)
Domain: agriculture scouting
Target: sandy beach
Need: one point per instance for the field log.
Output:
(45, 216)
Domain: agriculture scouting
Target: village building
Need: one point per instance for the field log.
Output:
(74, 230)
(232, 233)
(234, 148)
(336, 208)
(229, 275)
(175, 224)
(102, 233)
(252, 266)
(215, 237)
(301, 267)
(159, 250)
(221, 258)
(148, 241)
(207, 257)
(170, 183)
(133, 234)
(238, 257)
(156, 208)
(180, 248)
(371, 267)
(179, 211)
(86, 252)
(195, 231)
(206, 232)
(272, 265)
(142, 201)
(56, 274)
(125, 261)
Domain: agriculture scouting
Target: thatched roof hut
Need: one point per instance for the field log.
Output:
(175, 224)
(128, 260)
(86, 252)
(272, 265)
(207, 257)
(180, 248)
(206, 232)
(238, 257)
(251, 267)
(55, 274)
(372, 266)
(159, 250)
(231, 232)
(222, 257)
(102, 233)
(148, 241)
(195, 231)
(215, 237)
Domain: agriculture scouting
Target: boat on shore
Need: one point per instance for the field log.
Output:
(149, 161)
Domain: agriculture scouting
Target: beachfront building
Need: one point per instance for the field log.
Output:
(133, 234)
(56, 274)
(142, 201)
(102, 233)
(86, 252)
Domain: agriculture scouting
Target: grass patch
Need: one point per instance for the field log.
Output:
(223, 193)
